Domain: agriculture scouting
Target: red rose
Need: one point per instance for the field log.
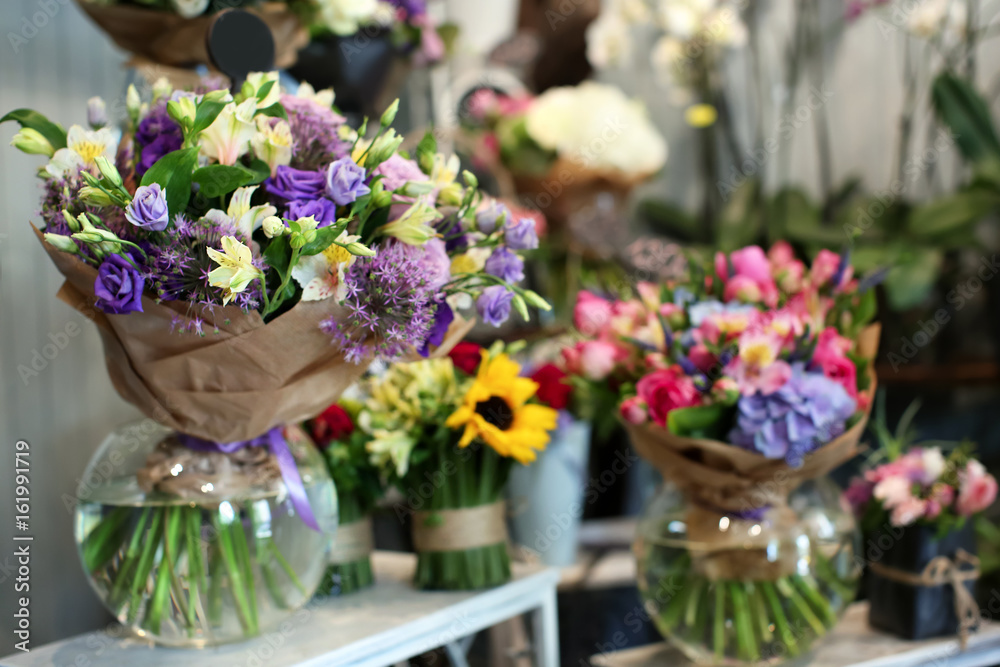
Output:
(332, 424)
(466, 357)
(667, 390)
(553, 390)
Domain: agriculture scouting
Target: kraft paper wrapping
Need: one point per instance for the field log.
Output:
(226, 386)
(719, 480)
(170, 39)
(460, 529)
(353, 542)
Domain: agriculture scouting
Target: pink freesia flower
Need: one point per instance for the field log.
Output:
(780, 255)
(633, 410)
(591, 314)
(977, 490)
(667, 390)
(597, 359)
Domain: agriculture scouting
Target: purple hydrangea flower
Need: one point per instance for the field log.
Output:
(397, 170)
(324, 210)
(390, 305)
(490, 216)
(809, 411)
(118, 286)
(493, 304)
(296, 184)
(521, 234)
(149, 208)
(345, 181)
(156, 135)
(505, 265)
(443, 317)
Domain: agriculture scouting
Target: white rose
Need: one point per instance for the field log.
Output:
(189, 8)
(608, 41)
(345, 17)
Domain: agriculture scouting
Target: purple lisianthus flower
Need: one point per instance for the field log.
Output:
(149, 208)
(397, 170)
(493, 304)
(345, 181)
(118, 286)
(806, 413)
(521, 234)
(156, 135)
(490, 216)
(436, 263)
(505, 265)
(163, 144)
(443, 317)
(451, 229)
(324, 210)
(296, 184)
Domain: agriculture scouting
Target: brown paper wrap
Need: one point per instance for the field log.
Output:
(170, 39)
(460, 529)
(227, 386)
(718, 479)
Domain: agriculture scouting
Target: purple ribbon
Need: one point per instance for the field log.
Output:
(275, 441)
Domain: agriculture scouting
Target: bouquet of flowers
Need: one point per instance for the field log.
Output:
(448, 431)
(242, 255)
(413, 30)
(359, 488)
(739, 384)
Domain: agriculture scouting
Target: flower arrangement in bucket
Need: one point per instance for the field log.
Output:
(917, 509)
(743, 385)
(359, 487)
(447, 431)
(242, 254)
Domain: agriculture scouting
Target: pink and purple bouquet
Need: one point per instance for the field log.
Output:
(760, 351)
(923, 486)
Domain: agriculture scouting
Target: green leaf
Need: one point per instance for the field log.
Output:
(672, 221)
(740, 220)
(261, 171)
(793, 216)
(263, 91)
(206, 114)
(953, 214)
(276, 110)
(426, 150)
(324, 237)
(910, 282)
(53, 132)
(963, 109)
(217, 180)
(173, 173)
(705, 421)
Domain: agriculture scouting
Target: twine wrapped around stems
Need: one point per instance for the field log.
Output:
(460, 529)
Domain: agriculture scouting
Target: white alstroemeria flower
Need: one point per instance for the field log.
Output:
(345, 17)
(257, 81)
(91, 144)
(445, 170)
(609, 42)
(322, 276)
(273, 142)
(235, 270)
(413, 227)
(391, 447)
(324, 98)
(240, 214)
(228, 138)
(189, 8)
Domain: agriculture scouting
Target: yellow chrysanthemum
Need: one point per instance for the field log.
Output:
(496, 410)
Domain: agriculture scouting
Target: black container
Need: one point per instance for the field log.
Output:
(357, 67)
(914, 612)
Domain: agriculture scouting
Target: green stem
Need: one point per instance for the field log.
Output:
(760, 613)
(242, 550)
(105, 539)
(215, 567)
(196, 567)
(779, 618)
(287, 568)
(719, 627)
(116, 598)
(809, 589)
(262, 549)
(161, 587)
(694, 602)
(801, 606)
(745, 642)
(236, 583)
(138, 584)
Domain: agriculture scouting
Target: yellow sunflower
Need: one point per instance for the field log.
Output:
(496, 409)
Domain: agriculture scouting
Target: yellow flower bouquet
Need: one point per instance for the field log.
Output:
(448, 431)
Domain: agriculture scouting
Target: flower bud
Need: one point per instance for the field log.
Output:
(535, 300)
(521, 307)
(133, 103)
(470, 178)
(273, 226)
(182, 110)
(108, 170)
(88, 237)
(32, 142)
(71, 222)
(382, 199)
(162, 88)
(221, 95)
(416, 188)
(60, 242)
(390, 114)
(94, 197)
(360, 250)
(451, 195)
(97, 113)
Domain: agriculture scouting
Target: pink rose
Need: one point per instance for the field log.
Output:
(908, 511)
(702, 358)
(977, 490)
(667, 390)
(824, 267)
(591, 313)
(751, 280)
(830, 355)
(597, 359)
(633, 410)
(752, 263)
(780, 255)
(742, 288)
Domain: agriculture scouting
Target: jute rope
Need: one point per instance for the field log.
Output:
(352, 542)
(940, 572)
(460, 529)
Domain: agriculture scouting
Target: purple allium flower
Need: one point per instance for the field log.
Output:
(806, 413)
(314, 132)
(505, 265)
(397, 170)
(493, 304)
(296, 184)
(521, 234)
(443, 317)
(149, 208)
(490, 216)
(345, 181)
(390, 306)
(118, 286)
(156, 135)
(324, 210)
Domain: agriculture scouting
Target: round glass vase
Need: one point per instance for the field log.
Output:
(193, 548)
(758, 588)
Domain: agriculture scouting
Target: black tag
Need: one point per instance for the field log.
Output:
(239, 43)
